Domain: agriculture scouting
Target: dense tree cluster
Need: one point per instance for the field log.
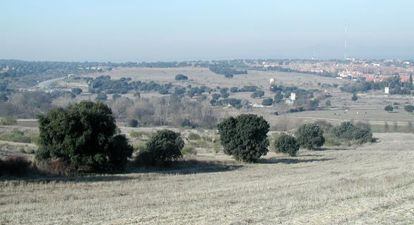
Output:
(226, 70)
(395, 84)
(25, 73)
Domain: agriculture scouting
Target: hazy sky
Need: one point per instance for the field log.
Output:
(152, 30)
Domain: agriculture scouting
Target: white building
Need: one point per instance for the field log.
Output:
(293, 96)
(272, 81)
(387, 90)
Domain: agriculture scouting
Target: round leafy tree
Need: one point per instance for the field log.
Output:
(163, 148)
(244, 137)
(287, 144)
(310, 136)
(84, 136)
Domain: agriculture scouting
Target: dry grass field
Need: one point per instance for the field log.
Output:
(370, 184)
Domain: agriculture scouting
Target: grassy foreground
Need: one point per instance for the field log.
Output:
(372, 184)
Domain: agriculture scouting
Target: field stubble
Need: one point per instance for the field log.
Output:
(371, 184)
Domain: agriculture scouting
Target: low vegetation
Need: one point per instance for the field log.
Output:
(16, 136)
(6, 121)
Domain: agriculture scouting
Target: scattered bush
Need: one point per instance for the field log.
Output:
(163, 148)
(278, 97)
(357, 133)
(8, 121)
(267, 102)
(244, 137)
(310, 136)
(83, 135)
(287, 144)
(409, 108)
(354, 97)
(76, 91)
(257, 94)
(133, 123)
(181, 77)
(389, 108)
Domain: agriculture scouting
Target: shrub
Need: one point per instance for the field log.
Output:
(234, 89)
(181, 77)
(267, 102)
(257, 94)
(409, 108)
(244, 137)
(101, 97)
(389, 108)
(163, 148)
(278, 97)
(133, 123)
(360, 133)
(83, 135)
(76, 91)
(287, 144)
(310, 136)
(354, 97)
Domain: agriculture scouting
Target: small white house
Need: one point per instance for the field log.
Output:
(272, 81)
(387, 90)
(293, 96)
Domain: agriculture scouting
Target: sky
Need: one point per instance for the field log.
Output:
(174, 30)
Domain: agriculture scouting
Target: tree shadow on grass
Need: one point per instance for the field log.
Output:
(189, 167)
(132, 173)
(292, 160)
